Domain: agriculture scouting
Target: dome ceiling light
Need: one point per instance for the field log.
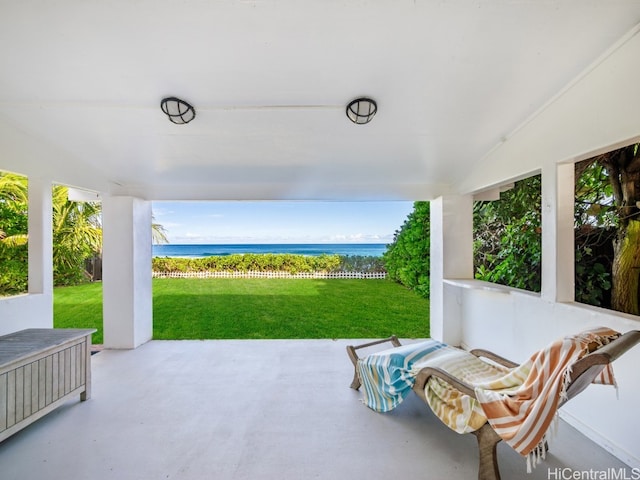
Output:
(361, 110)
(178, 111)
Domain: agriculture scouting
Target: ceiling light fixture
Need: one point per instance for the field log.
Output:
(178, 111)
(361, 110)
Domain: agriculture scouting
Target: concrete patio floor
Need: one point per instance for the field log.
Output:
(272, 409)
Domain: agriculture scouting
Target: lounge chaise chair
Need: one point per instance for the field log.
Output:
(473, 392)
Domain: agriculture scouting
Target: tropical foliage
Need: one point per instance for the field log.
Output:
(247, 262)
(13, 234)
(507, 241)
(608, 205)
(595, 229)
(158, 233)
(407, 258)
(269, 262)
(77, 235)
(507, 235)
(361, 263)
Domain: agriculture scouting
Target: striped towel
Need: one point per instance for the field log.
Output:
(460, 412)
(519, 403)
(387, 376)
(522, 416)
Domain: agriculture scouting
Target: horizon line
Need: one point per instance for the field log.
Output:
(276, 243)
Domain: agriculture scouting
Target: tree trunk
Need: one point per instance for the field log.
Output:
(626, 270)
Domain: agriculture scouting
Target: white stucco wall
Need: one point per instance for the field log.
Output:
(451, 256)
(25, 311)
(515, 324)
(597, 113)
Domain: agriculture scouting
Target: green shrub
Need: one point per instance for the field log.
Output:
(13, 270)
(507, 237)
(407, 258)
(254, 262)
(361, 263)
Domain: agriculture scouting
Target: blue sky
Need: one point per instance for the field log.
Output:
(280, 222)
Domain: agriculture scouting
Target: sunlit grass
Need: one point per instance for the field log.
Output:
(262, 309)
(79, 307)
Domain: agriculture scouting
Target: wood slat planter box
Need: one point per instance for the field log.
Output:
(41, 368)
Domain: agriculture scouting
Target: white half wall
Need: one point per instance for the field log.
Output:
(35, 309)
(25, 311)
(515, 324)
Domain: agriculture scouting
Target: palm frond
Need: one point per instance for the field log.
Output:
(14, 240)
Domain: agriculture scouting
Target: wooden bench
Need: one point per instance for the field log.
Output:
(40, 369)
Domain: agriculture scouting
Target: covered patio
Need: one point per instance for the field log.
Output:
(471, 96)
(234, 410)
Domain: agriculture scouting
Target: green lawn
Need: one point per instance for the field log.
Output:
(261, 308)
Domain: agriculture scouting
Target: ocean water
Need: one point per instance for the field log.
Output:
(194, 251)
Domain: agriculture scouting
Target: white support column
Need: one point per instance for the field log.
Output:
(127, 289)
(451, 258)
(558, 264)
(40, 237)
(40, 248)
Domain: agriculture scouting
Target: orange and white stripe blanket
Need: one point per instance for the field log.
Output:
(520, 403)
(522, 415)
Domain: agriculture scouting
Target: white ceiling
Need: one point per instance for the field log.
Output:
(270, 80)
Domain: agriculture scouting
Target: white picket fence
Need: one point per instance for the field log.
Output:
(256, 274)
